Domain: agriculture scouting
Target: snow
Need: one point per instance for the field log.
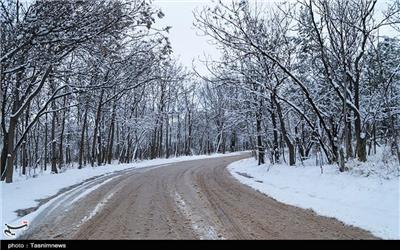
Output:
(204, 231)
(98, 208)
(369, 201)
(25, 192)
(89, 190)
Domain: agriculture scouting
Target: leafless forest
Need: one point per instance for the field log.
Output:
(94, 82)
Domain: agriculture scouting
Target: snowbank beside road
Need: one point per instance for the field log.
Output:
(371, 203)
(25, 192)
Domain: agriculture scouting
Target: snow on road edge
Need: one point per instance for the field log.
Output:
(370, 203)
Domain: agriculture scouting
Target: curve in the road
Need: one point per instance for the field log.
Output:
(187, 200)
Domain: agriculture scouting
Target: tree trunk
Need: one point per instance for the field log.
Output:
(61, 148)
(9, 140)
(96, 150)
(117, 135)
(82, 141)
(46, 142)
(178, 137)
(160, 139)
(260, 147)
(360, 135)
(128, 149)
(87, 143)
(349, 144)
(167, 137)
(11, 137)
(289, 143)
(300, 145)
(24, 149)
(111, 135)
(232, 146)
(275, 149)
(4, 156)
(190, 136)
(53, 142)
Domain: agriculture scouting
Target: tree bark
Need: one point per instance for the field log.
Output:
(260, 147)
(53, 141)
(96, 150)
(360, 135)
(275, 149)
(82, 141)
(61, 148)
(167, 127)
(46, 142)
(289, 143)
(111, 135)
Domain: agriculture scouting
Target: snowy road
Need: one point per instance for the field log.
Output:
(187, 200)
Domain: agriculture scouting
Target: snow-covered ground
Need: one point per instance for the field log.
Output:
(24, 192)
(367, 196)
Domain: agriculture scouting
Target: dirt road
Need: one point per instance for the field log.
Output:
(187, 200)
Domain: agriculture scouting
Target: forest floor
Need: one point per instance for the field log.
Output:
(196, 199)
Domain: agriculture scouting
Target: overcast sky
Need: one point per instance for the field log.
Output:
(188, 46)
(185, 40)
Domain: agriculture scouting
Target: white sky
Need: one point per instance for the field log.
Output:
(188, 46)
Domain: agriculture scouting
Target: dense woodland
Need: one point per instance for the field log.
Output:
(93, 82)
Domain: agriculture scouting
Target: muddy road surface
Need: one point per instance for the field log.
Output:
(187, 200)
